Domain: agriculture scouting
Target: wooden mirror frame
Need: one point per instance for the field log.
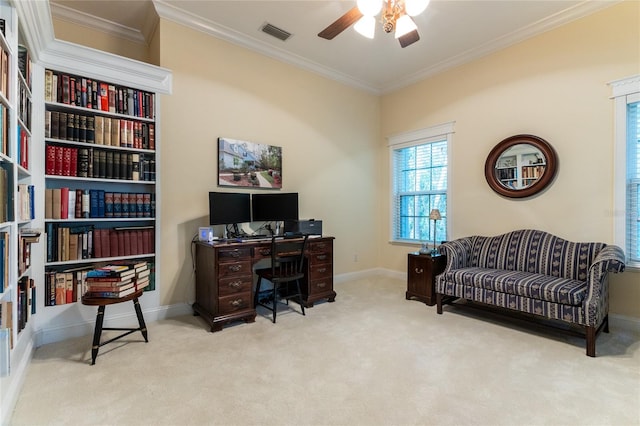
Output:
(551, 166)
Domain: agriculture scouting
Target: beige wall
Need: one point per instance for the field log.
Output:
(553, 86)
(64, 30)
(328, 134)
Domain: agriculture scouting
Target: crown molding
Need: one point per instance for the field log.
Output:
(37, 27)
(171, 13)
(76, 59)
(76, 17)
(570, 14)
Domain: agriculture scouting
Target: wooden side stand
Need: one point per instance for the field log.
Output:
(421, 273)
(101, 303)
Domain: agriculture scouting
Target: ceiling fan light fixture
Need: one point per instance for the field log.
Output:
(404, 25)
(366, 26)
(369, 7)
(415, 7)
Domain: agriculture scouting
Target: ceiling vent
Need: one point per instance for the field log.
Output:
(276, 32)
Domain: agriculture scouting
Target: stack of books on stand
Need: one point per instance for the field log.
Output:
(117, 280)
(111, 281)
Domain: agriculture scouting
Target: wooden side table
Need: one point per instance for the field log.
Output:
(101, 303)
(421, 272)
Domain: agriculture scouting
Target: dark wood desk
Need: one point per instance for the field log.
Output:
(225, 282)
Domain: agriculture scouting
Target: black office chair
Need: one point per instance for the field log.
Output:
(287, 259)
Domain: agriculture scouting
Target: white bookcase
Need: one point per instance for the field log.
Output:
(56, 323)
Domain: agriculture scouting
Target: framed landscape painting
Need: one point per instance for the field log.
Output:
(248, 164)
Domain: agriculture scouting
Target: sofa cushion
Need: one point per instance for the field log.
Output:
(536, 252)
(535, 286)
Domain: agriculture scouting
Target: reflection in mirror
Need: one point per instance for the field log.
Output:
(520, 166)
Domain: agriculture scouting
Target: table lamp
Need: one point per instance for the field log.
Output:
(435, 216)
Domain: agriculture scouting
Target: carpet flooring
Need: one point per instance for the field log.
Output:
(370, 358)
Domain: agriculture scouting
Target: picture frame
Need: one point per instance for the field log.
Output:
(244, 164)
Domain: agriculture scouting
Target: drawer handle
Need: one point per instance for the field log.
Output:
(322, 269)
(236, 303)
(235, 268)
(234, 253)
(265, 252)
(321, 285)
(419, 270)
(235, 284)
(321, 257)
(320, 245)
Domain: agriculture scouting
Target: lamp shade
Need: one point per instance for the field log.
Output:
(435, 214)
(366, 26)
(415, 7)
(369, 7)
(404, 25)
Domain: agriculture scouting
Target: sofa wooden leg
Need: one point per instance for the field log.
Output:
(606, 324)
(591, 341)
(439, 303)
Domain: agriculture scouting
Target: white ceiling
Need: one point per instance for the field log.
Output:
(452, 32)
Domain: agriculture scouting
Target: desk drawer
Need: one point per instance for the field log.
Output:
(234, 303)
(231, 253)
(234, 285)
(320, 246)
(320, 271)
(240, 268)
(321, 286)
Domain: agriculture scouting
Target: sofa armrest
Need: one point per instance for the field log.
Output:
(458, 253)
(609, 259)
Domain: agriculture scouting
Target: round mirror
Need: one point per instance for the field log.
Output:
(520, 166)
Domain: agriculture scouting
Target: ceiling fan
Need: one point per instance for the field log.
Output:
(395, 15)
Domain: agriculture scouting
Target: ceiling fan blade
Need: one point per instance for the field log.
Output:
(341, 24)
(409, 38)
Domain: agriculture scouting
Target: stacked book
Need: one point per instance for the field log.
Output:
(117, 280)
(111, 281)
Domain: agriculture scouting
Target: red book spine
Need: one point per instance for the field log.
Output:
(97, 243)
(134, 242)
(127, 243)
(106, 245)
(59, 160)
(50, 167)
(104, 96)
(64, 203)
(73, 165)
(120, 236)
(66, 161)
(113, 243)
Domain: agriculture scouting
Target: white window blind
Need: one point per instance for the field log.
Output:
(633, 182)
(419, 174)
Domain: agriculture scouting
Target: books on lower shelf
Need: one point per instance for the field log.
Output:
(110, 281)
(75, 242)
(67, 203)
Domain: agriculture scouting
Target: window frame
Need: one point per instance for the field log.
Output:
(437, 133)
(624, 92)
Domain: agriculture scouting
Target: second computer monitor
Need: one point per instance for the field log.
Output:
(274, 207)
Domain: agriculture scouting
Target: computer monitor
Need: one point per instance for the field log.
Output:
(227, 208)
(274, 207)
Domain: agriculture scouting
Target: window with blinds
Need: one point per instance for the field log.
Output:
(419, 172)
(633, 182)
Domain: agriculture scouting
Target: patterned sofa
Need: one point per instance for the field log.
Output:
(534, 272)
